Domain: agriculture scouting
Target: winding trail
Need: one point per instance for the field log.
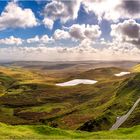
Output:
(123, 118)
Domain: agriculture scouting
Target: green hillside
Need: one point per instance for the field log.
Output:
(30, 100)
(33, 98)
(45, 132)
(136, 68)
(125, 96)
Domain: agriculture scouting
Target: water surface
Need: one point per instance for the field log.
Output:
(122, 73)
(77, 82)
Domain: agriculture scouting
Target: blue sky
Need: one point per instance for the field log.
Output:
(81, 27)
(27, 32)
(37, 8)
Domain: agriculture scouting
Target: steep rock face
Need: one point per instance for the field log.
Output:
(126, 95)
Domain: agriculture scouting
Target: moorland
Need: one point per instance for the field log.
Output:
(33, 106)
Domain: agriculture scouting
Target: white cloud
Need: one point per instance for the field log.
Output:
(11, 41)
(48, 22)
(83, 31)
(110, 9)
(14, 16)
(58, 53)
(63, 10)
(128, 31)
(107, 9)
(85, 50)
(44, 39)
(77, 32)
(86, 45)
(33, 40)
(60, 34)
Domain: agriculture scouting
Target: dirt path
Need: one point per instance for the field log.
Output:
(123, 118)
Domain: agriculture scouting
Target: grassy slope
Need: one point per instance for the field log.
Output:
(136, 68)
(30, 98)
(134, 118)
(33, 99)
(126, 94)
(45, 132)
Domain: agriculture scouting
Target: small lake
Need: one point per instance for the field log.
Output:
(122, 74)
(77, 82)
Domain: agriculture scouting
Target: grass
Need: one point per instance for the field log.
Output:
(46, 132)
(33, 99)
(136, 68)
(47, 107)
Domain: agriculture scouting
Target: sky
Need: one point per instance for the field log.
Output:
(69, 30)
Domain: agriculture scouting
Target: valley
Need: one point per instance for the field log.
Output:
(30, 99)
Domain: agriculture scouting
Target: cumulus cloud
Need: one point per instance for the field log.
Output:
(44, 39)
(63, 10)
(58, 53)
(130, 7)
(86, 46)
(11, 41)
(103, 9)
(48, 23)
(81, 36)
(127, 31)
(33, 40)
(122, 51)
(14, 16)
(76, 31)
(41, 40)
(80, 32)
(61, 34)
(110, 10)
